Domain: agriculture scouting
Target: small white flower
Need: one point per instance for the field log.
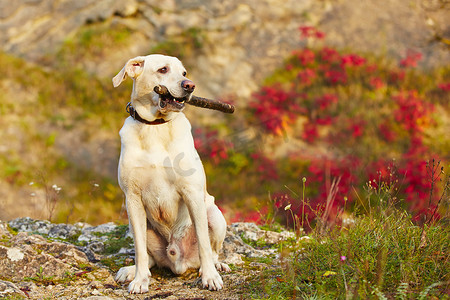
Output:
(287, 207)
(56, 188)
(31, 183)
(33, 194)
(96, 185)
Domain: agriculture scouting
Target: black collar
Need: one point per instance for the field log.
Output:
(134, 114)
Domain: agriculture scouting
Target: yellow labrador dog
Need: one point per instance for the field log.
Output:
(174, 220)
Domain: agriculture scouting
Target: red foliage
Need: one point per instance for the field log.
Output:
(411, 59)
(209, 145)
(311, 32)
(386, 132)
(330, 55)
(322, 77)
(323, 172)
(381, 171)
(305, 56)
(336, 76)
(376, 83)
(412, 111)
(326, 100)
(249, 216)
(444, 86)
(275, 108)
(357, 128)
(281, 200)
(397, 76)
(327, 120)
(352, 60)
(371, 68)
(306, 76)
(265, 167)
(310, 133)
(416, 182)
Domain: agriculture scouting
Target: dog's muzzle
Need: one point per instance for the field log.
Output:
(167, 102)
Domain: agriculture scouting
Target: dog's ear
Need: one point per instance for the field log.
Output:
(133, 68)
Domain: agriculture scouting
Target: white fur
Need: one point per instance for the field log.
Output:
(174, 221)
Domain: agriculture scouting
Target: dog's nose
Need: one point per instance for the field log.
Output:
(188, 86)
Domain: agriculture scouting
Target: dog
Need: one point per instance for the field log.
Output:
(173, 219)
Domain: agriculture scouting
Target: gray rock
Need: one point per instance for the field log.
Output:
(19, 263)
(252, 232)
(29, 225)
(63, 231)
(96, 233)
(10, 289)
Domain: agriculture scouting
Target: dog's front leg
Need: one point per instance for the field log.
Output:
(138, 223)
(195, 202)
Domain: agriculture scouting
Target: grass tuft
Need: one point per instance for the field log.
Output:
(381, 254)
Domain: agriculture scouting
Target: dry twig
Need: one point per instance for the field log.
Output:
(199, 101)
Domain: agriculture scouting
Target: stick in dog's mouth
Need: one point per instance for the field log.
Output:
(167, 99)
(163, 92)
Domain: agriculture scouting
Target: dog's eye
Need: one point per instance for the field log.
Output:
(163, 70)
(184, 73)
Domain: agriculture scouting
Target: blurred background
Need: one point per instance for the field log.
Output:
(336, 100)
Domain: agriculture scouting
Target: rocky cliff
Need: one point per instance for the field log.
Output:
(39, 259)
(243, 40)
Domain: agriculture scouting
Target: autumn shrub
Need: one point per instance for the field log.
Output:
(333, 115)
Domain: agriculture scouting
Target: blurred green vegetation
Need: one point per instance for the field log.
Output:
(68, 101)
(67, 98)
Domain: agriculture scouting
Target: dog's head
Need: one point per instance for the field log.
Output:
(154, 70)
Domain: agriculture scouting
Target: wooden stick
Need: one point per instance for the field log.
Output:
(199, 101)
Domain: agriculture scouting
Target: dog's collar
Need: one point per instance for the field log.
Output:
(134, 114)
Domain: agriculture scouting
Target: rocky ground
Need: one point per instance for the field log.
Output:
(42, 260)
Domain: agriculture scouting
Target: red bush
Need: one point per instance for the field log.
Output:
(412, 111)
(210, 146)
(265, 167)
(336, 76)
(311, 32)
(444, 86)
(360, 129)
(411, 59)
(352, 60)
(275, 108)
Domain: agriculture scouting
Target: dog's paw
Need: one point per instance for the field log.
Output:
(139, 286)
(212, 280)
(222, 267)
(125, 274)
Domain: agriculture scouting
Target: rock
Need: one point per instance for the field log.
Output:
(10, 289)
(253, 233)
(40, 265)
(29, 225)
(63, 231)
(96, 233)
(97, 298)
(32, 256)
(60, 231)
(234, 247)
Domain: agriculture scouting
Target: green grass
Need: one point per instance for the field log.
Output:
(386, 254)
